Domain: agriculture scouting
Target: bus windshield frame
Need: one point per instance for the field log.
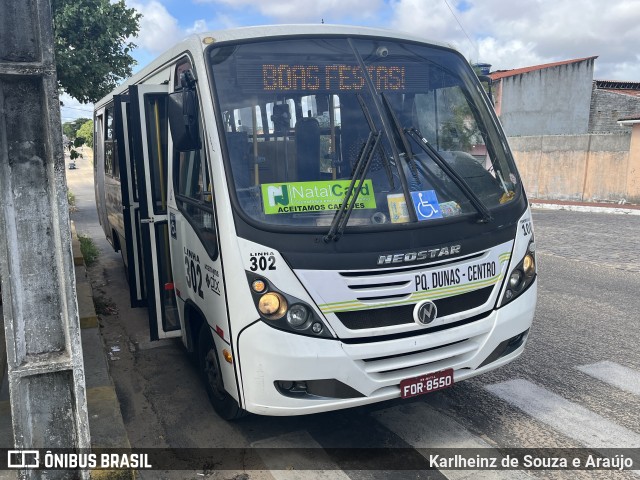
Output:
(321, 112)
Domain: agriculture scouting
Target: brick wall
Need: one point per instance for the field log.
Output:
(608, 107)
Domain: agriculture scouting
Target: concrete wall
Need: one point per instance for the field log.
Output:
(3, 348)
(550, 101)
(633, 170)
(580, 167)
(44, 352)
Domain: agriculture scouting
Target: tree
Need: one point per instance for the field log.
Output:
(92, 45)
(70, 128)
(85, 132)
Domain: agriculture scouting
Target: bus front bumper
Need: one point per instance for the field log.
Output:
(271, 361)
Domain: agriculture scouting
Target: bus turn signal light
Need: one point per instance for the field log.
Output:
(227, 355)
(258, 286)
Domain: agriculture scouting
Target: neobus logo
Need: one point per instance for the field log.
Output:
(418, 256)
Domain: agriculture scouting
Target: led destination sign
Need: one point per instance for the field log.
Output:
(334, 77)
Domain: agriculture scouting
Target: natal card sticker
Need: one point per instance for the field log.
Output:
(322, 196)
(426, 205)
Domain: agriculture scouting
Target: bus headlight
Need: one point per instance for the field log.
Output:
(285, 312)
(272, 305)
(529, 265)
(522, 276)
(514, 279)
(297, 315)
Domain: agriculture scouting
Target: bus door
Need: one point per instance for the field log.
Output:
(98, 167)
(130, 203)
(149, 127)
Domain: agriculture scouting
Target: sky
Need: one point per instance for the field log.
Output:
(505, 34)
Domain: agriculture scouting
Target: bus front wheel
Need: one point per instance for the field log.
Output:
(223, 403)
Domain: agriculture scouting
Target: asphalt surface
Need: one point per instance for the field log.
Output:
(587, 314)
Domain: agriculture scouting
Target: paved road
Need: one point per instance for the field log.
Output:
(577, 385)
(597, 238)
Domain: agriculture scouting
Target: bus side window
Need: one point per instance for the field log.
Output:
(194, 196)
(157, 133)
(191, 182)
(110, 146)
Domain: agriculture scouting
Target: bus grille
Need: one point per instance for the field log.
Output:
(399, 357)
(390, 316)
(435, 358)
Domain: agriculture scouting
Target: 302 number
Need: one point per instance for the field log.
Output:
(194, 276)
(262, 263)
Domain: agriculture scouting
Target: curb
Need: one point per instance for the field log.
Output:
(106, 425)
(593, 208)
(86, 307)
(78, 259)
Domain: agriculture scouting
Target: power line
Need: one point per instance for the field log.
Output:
(473, 44)
(80, 109)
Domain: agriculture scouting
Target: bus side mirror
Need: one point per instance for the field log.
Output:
(183, 115)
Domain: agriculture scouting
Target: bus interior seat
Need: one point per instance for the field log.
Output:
(307, 149)
(281, 119)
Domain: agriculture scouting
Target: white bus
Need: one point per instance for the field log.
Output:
(327, 216)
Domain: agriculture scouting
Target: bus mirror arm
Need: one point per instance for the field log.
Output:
(187, 80)
(189, 101)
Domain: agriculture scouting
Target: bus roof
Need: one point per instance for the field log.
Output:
(308, 29)
(202, 40)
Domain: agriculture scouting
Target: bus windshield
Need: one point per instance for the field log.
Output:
(303, 125)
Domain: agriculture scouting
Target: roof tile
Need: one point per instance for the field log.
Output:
(518, 71)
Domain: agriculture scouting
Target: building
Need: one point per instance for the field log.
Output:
(549, 99)
(573, 138)
(611, 101)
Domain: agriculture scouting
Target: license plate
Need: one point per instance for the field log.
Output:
(412, 387)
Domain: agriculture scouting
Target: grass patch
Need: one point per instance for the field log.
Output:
(89, 250)
(71, 199)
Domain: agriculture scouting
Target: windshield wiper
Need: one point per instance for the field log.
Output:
(402, 134)
(359, 174)
(413, 216)
(341, 217)
(423, 143)
(403, 138)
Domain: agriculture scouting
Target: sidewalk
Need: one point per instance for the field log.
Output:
(592, 207)
(105, 419)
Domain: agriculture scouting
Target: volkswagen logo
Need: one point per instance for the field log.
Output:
(425, 312)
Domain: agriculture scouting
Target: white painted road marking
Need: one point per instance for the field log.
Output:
(584, 426)
(423, 427)
(616, 375)
(328, 470)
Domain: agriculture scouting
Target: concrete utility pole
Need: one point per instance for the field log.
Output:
(45, 369)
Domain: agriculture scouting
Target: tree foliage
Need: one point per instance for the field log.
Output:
(70, 128)
(92, 45)
(85, 132)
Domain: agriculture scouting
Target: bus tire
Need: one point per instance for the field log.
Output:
(223, 403)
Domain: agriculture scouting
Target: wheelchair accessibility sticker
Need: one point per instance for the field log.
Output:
(426, 205)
